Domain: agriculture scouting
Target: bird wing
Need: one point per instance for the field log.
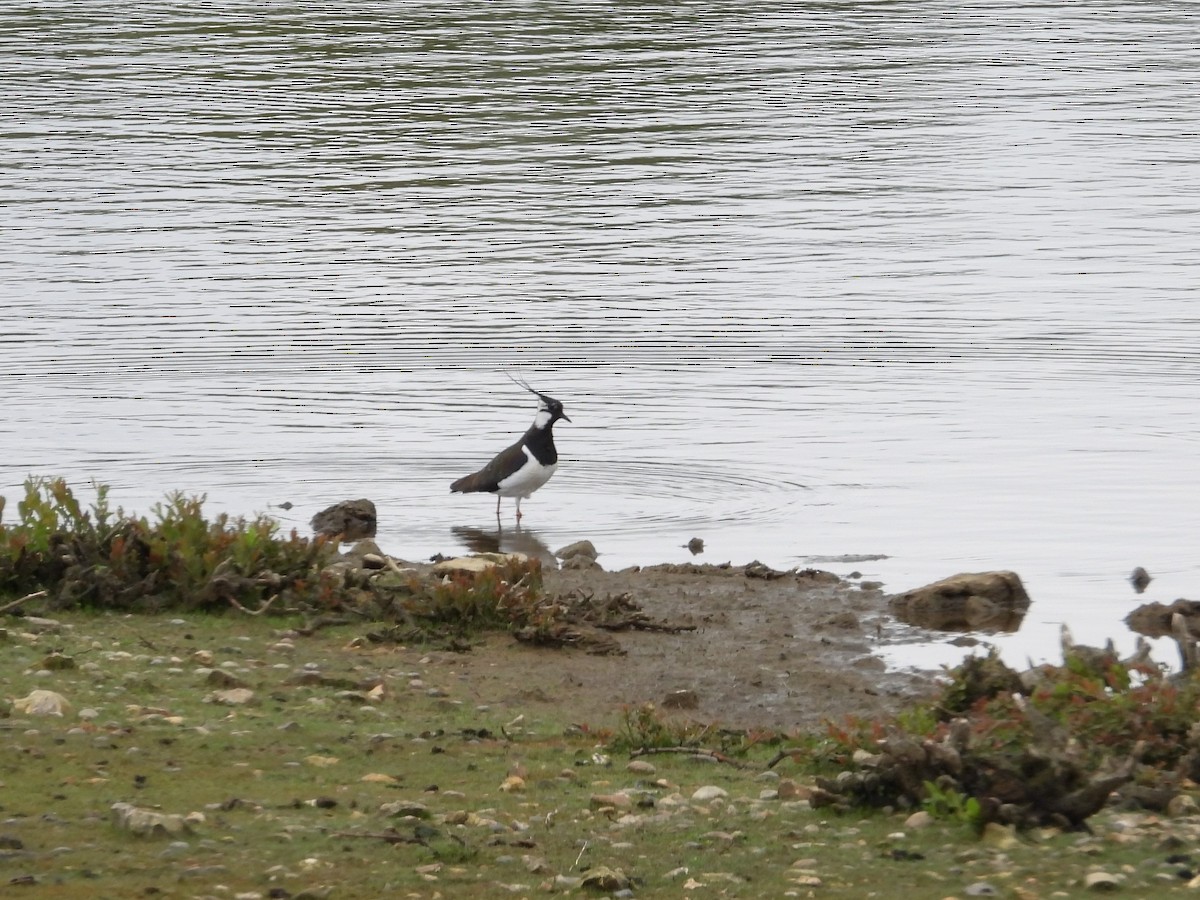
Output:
(488, 478)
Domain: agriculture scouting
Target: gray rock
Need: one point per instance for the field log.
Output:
(216, 871)
(919, 819)
(473, 565)
(39, 625)
(681, 700)
(403, 808)
(349, 520)
(579, 548)
(1154, 619)
(174, 849)
(983, 601)
(1140, 579)
(231, 697)
(219, 678)
(580, 562)
(981, 889)
(1101, 882)
(147, 822)
(602, 878)
(363, 549)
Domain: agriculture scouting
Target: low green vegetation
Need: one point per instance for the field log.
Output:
(98, 558)
(62, 555)
(289, 727)
(357, 770)
(1049, 747)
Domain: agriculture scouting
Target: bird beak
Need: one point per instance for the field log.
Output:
(565, 416)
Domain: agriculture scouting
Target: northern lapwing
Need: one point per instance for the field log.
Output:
(521, 469)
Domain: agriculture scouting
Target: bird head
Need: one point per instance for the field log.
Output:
(549, 409)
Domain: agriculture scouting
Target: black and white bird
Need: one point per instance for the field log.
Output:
(521, 469)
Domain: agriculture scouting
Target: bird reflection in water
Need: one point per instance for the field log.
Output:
(504, 540)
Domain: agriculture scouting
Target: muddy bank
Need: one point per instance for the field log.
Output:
(766, 649)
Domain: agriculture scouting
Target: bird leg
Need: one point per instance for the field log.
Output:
(518, 510)
(497, 507)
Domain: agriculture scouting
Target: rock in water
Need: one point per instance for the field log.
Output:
(579, 548)
(1154, 619)
(1140, 579)
(351, 520)
(983, 601)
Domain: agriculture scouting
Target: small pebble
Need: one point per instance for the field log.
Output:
(919, 819)
(1182, 805)
(789, 790)
(618, 801)
(1101, 882)
(175, 848)
(981, 889)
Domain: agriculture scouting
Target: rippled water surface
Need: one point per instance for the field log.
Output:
(811, 280)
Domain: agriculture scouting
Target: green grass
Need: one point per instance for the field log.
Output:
(275, 818)
(302, 792)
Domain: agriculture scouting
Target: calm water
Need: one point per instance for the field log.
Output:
(858, 278)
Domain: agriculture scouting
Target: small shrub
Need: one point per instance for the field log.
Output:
(645, 727)
(502, 597)
(992, 749)
(98, 558)
(947, 803)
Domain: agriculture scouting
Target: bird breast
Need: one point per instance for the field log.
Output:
(526, 479)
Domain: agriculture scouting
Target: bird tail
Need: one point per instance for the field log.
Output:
(469, 484)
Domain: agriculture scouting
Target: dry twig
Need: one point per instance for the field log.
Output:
(391, 836)
(255, 612)
(781, 756)
(716, 755)
(36, 595)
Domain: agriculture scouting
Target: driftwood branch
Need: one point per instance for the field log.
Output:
(36, 595)
(715, 755)
(640, 623)
(390, 836)
(312, 626)
(255, 612)
(781, 756)
(146, 642)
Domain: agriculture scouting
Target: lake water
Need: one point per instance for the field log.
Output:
(812, 280)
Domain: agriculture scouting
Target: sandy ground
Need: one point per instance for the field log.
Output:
(768, 650)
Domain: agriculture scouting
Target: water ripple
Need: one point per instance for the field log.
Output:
(809, 278)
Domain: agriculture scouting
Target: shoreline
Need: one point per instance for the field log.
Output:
(766, 649)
